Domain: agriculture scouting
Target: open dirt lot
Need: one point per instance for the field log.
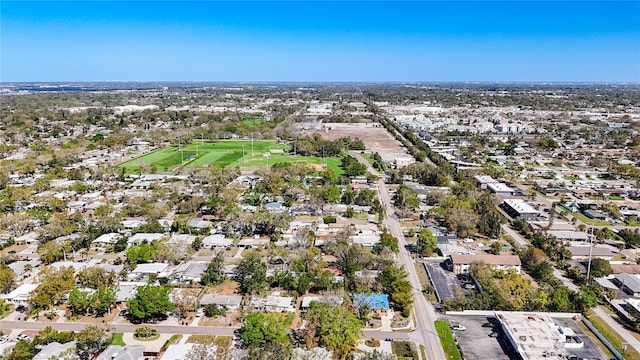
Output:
(375, 137)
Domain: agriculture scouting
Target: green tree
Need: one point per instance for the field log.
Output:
(197, 244)
(95, 277)
(334, 328)
(259, 329)
(366, 197)
(104, 298)
(213, 310)
(561, 299)
(600, 267)
(213, 275)
(150, 302)
(426, 243)
(386, 241)
(49, 335)
(120, 245)
(51, 252)
(331, 194)
(55, 284)
(489, 219)
(406, 198)
(93, 339)
(349, 213)
(23, 350)
(7, 276)
(393, 280)
(80, 301)
(252, 274)
(142, 253)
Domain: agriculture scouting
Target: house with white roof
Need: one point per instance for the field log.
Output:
(76, 266)
(273, 303)
(106, 239)
(140, 238)
(231, 302)
(20, 295)
(216, 241)
(31, 238)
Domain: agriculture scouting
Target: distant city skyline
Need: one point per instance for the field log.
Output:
(322, 41)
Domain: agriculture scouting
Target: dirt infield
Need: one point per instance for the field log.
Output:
(375, 137)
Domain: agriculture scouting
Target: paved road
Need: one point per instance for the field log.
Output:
(425, 333)
(522, 242)
(566, 281)
(163, 329)
(624, 333)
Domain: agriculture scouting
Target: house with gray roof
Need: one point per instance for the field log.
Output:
(190, 271)
(54, 350)
(145, 271)
(630, 284)
(118, 352)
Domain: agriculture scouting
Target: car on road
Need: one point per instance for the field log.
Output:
(4, 339)
(459, 327)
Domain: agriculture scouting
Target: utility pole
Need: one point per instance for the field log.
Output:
(590, 252)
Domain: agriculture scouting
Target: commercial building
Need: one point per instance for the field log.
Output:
(537, 336)
(500, 189)
(460, 263)
(518, 208)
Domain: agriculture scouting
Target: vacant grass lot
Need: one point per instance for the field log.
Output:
(223, 153)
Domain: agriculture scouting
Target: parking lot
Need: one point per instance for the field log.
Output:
(444, 281)
(475, 342)
(590, 350)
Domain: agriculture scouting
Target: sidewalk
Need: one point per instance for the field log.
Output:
(624, 333)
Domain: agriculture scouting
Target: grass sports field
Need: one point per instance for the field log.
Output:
(223, 153)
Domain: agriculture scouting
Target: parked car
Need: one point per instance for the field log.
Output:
(199, 312)
(4, 339)
(23, 337)
(494, 334)
(459, 327)
(487, 324)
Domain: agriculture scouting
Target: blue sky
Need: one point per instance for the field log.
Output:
(320, 41)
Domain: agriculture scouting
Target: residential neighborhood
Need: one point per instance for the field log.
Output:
(320, 222)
